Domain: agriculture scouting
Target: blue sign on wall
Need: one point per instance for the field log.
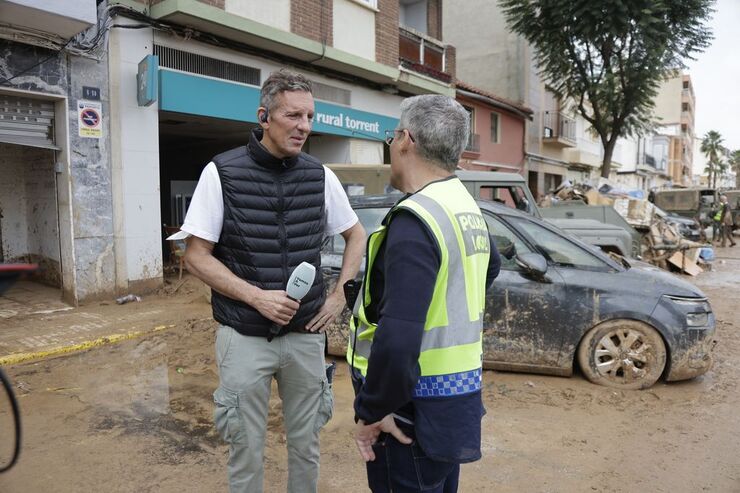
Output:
(185, 93)
(146, 80)
(339, 120)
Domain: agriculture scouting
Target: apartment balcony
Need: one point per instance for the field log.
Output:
(473, 145)
(422, 54)
(647, 163)
(558, 129)
(62, 18)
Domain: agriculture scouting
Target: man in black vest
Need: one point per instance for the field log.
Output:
(258, 212)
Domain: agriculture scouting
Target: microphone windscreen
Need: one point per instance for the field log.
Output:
(301, 280)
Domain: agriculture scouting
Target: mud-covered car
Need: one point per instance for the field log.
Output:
(559, 304)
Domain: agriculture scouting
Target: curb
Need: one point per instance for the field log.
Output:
(17, 358)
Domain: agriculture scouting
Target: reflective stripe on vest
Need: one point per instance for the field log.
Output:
(451, 346)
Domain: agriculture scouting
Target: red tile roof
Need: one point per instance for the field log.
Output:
(475, 90)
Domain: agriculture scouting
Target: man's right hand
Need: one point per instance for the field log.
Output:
(275, 305)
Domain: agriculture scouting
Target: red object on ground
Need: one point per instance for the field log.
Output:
(17, 268)
(10, 272)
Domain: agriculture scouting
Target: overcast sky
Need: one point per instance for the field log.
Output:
(716, 77)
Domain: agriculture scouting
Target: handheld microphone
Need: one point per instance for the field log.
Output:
(299, 282)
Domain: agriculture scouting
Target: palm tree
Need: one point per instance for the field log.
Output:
(720, 172)
(735, 164)
(711, 146)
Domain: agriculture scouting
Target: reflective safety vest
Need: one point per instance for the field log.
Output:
(718, 215)
(451, 347)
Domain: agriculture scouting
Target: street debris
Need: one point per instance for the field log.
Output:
(127, 299)
(662, 244)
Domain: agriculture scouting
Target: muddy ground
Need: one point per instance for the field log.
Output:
(136, 417)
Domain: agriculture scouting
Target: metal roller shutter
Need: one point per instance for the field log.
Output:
(27, 121)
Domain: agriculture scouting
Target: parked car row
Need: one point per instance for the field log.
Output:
(559, 304)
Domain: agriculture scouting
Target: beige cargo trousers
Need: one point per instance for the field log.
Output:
(246, 367)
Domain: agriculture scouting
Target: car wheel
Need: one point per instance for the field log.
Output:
(624, 354)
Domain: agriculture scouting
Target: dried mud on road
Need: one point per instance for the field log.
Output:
(137, 417)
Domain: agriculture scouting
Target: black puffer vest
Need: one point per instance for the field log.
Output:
(273, 221)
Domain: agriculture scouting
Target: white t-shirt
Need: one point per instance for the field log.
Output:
(205, 215)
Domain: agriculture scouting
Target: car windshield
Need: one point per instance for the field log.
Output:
(557, 248)
(370, 219)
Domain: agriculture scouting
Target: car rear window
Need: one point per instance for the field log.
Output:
(370, 218)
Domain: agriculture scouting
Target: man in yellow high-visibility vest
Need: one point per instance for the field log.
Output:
(416, 332)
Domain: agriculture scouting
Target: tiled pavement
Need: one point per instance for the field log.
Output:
(34, 321)
(27, 298)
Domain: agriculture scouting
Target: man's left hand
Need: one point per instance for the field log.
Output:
(332, 308)
(367, 435)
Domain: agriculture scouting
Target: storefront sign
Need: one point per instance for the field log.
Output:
(146, 80)
(347, 121)
(90, 119)
(191, 94)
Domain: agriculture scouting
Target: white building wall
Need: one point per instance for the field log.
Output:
(494, 58)
(354, 29)
(135, 154)
(365, 151)
(329, 149)
(274, 13)
(627, 153)
(81, 10)
(668, 100)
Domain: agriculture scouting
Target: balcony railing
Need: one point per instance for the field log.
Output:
(422, 54)
(558, 128)
(473, 144)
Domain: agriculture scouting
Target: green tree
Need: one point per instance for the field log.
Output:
(721, 172)
(610, 56)
(712, 148)
(735, 164)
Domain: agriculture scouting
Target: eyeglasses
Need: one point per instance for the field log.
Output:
(390, 135)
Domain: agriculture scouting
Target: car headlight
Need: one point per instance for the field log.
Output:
(697, 310)
(697, 319)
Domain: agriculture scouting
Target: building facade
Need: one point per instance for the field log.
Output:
(134, 125)
(55, 166)
(497, 129)
(500, 62)
(208, 60)
(675, 107)
(560, 143)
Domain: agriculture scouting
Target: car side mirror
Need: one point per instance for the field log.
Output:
(504, 246)
(532, 263)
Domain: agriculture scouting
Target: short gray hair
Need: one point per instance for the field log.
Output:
(281, 81)
(439, 126)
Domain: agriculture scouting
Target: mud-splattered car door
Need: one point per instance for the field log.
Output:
(586, 278)
(526, 317)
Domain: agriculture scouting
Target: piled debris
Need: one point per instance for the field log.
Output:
(662, 243)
